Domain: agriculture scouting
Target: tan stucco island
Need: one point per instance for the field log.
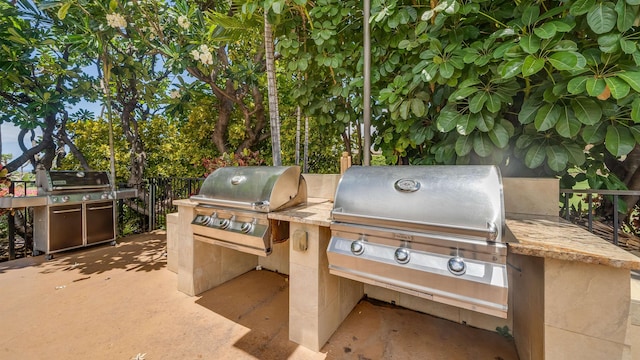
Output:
(572, 295)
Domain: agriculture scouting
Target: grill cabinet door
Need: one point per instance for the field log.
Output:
(100, 222)
(65, 229)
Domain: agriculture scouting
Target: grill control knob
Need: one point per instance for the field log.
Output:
(357, 247)
(246, 227)
(457, 266)
(224, 224)
(86, 197)
(402, 255)
(206, 220)
(65, 199)
(105, 196)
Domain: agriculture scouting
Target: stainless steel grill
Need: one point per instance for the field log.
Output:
(79, 211)
(234, 202)
(430, 231)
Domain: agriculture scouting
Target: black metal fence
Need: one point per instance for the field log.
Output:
(144, 213)
(589, 207)
(148, 211)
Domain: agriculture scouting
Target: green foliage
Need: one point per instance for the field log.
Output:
(165, 150)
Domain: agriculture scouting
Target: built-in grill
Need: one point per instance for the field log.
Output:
(79, 211)
(234, 202)
(435, 232)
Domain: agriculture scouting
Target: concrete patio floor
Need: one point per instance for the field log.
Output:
(121, 302)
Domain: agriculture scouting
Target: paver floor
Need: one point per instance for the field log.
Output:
(121, 302)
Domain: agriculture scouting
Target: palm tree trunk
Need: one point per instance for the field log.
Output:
(298, 115)
(274, 115)
(306, 144)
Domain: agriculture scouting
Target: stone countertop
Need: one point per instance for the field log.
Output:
(185, 202)
(316, 211)
(556, 238)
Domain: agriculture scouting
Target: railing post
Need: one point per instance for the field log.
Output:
(615, 219)
(12, 228)
(566, 206)
(152, 204)
(590, 200)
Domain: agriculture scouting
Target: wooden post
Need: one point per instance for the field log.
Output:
(345, 162)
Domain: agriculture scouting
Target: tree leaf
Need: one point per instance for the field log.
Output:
(586, 110)
(446, 70)
(466, 124)
(530, 43)
(493, 103)
(632, 78)
(567, 60)
(417, 107)
(577, 85)
(568, 126)
(635, 110)
(633, 2)
(594, 134)
(511, 68)
(464, 145)
(404, 109)
(595, 86)
(547, 117)
(484, 121)
(530, 15)
(64, 9)
(635, 132)
(534, 156)
(575, 152)
(477, 102)
(532, 65)
(447, 120)
(618, 88)
(528, 110)
(546, 31)
(557, 157)
(626, 16)
(499, 136)
(619, 140)
(580, 7)
(462, 93)
(628, 46)
(482, 144)
(602, 18)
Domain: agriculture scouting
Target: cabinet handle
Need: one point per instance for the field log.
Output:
(66, 211)
(101, 207)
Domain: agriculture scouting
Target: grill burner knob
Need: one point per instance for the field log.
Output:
(86, 197)
(224, 224)
(65, 199)
(206, 220)
(457, 266)
(357, 247)
(246, 227)
(402, 255)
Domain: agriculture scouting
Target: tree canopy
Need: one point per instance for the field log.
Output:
(540, 88)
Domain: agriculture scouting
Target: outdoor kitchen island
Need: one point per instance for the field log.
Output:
(569, 293)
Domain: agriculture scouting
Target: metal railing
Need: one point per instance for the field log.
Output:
(148, 211)
(614, 195)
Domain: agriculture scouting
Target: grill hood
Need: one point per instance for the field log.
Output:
(255, 188)
(464, 200)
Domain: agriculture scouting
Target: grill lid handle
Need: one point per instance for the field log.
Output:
(407, 185)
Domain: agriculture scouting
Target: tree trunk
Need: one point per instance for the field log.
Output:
(306, 144)
(274, 115)
(298, 115)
